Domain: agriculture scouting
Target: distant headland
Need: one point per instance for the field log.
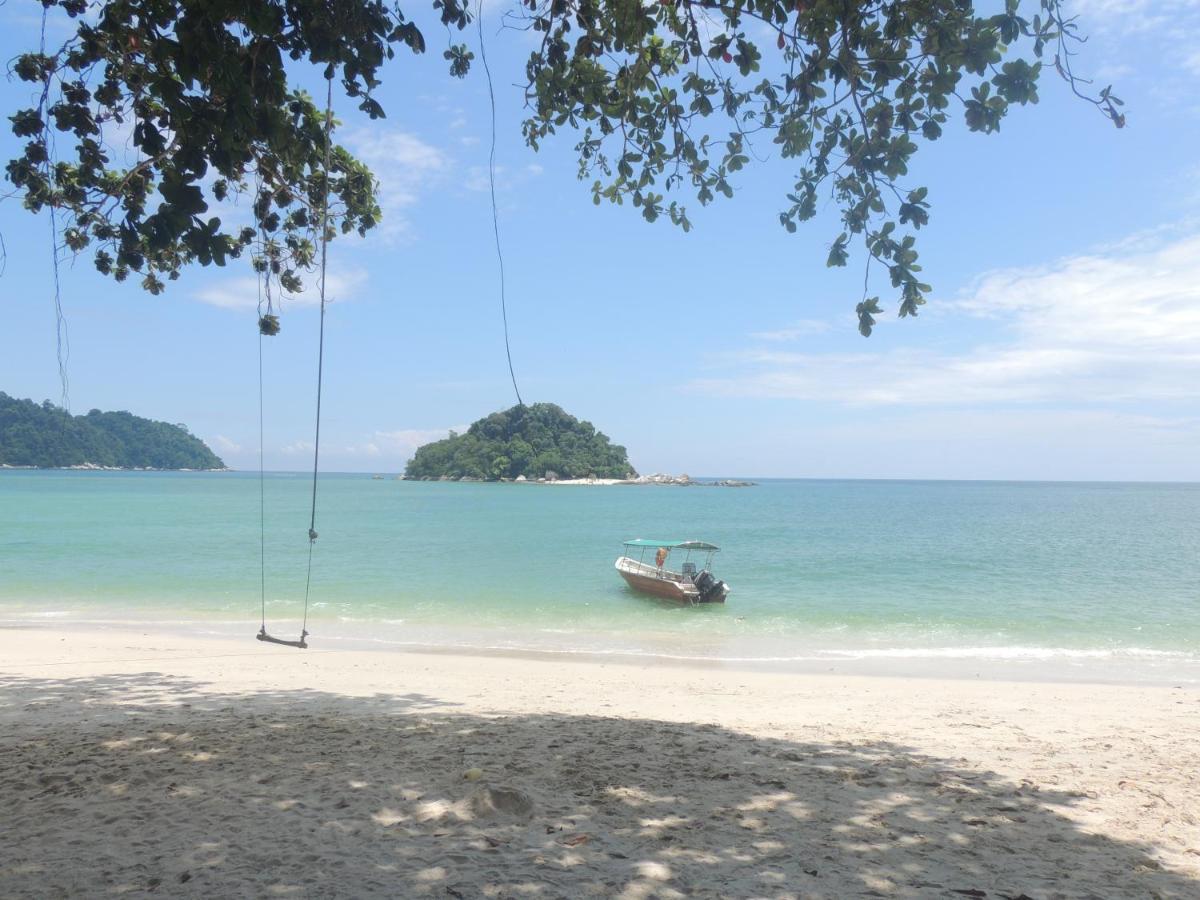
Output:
(45, 436)
(526, 442)
(539, 443)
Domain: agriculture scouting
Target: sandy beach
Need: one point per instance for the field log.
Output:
(140, 764)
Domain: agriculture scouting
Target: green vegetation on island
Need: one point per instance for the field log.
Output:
(46, 437)
(537, 441)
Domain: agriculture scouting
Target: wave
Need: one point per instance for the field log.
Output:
(895, 657)
(1008, 653)
(996, 653)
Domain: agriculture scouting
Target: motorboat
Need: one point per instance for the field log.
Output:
(691, 584)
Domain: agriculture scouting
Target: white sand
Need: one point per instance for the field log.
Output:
(142, 764)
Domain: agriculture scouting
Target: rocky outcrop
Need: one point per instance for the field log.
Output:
(687, 481)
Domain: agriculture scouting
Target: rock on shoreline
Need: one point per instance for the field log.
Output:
(657, 478)
(686, 481)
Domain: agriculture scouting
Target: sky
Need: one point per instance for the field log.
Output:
(1062, 339)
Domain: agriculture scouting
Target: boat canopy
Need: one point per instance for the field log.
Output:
(673, 545)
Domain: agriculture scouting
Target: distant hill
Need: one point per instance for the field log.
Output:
(525, 440)
(46, 436)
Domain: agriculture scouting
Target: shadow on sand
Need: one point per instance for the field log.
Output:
(149, 784)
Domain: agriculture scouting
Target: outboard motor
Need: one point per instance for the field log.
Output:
(711, 590)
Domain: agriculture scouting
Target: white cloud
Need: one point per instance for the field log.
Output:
(1126, 17)
(795, 331)
(477, 178)
(231, 293)
(506, 179)
(1144, 295)
(225, 445)
(242, 292)
(369, 449)
(1119, 327)
(1142, 46)
(1144, 49)
(1112, 72)
(402, 162)
(400, 444)
(1038, 443)
(406, 167)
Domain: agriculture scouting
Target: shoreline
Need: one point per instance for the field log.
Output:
(93, 467)
(199, 767)
(640, 480)
(24, 646)
(1003, 665)
(756, 479)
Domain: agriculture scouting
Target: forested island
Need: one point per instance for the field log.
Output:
(531, 442)
(46, 436)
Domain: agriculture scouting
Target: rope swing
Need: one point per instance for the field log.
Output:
(268, 326)
(495, 216)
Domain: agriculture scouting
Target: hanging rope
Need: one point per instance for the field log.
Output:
(268, 326)
(495, 215)
(262, 474)
(61, 337)
(312, 520)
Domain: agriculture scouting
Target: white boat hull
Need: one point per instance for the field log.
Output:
(664, 583)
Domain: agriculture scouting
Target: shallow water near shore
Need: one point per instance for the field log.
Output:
(1101, 576)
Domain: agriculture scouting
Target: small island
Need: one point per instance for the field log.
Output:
(524, 443)
(45, 436)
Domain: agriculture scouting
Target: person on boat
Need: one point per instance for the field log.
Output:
(660, 557)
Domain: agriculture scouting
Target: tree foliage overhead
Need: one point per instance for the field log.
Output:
(46, 436)
(524, 440)
(667, 97)
(850, 91)
(202, 91)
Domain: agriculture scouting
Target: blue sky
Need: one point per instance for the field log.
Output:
(1062, 340)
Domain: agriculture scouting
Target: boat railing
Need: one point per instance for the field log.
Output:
(649, 571)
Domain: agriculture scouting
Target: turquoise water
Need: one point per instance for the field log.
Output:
(818, 569)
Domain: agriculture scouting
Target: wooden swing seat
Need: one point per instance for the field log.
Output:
(302, 644)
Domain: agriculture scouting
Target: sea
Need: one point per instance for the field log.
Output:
(1092, 581)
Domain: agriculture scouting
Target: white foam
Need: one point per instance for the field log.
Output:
(1016, 652)
(482, 643)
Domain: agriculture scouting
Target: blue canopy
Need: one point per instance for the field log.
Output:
(672, 545)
